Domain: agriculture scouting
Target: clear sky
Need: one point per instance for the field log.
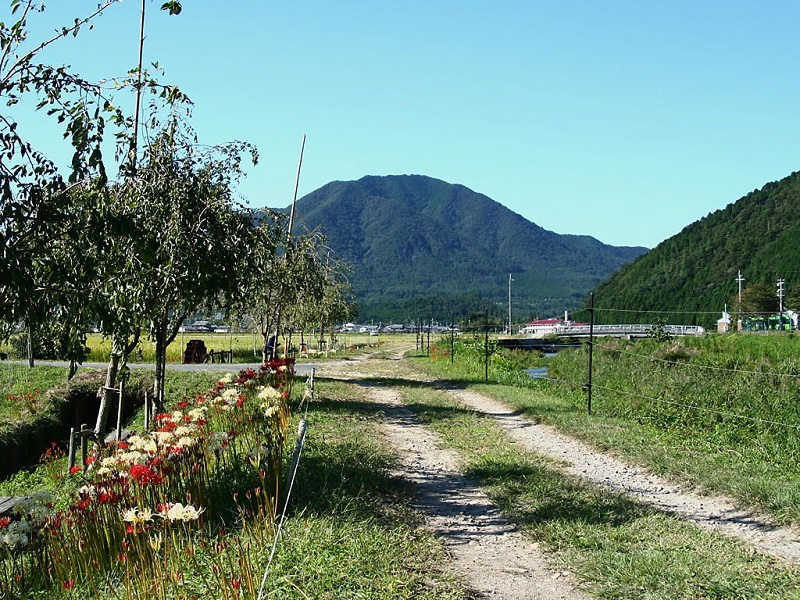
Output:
(624, 120)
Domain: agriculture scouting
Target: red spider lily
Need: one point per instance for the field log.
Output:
(109, 497)
(246, 375)
(136, 528)
(5, 522)
(76, 469)
(236, 583)
(183, 404)
(68, 584)
(145, 475)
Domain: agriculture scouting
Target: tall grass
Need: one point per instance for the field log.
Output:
(618, 548)
(719, 411)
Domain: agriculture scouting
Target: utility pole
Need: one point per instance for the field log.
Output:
(781, 283)
(510, 329)
(740, 280)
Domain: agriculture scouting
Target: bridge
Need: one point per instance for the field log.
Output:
(570, 336)
(627, 330)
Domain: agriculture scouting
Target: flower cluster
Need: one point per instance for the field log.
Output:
(30, 515)
(15, 534)
(157, 483)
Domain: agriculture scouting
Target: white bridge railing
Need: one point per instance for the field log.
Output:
(628, 330)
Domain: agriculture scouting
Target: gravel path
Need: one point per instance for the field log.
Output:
(494, 558)
(710, 512)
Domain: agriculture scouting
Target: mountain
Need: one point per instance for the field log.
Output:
(695, 271)
(421, 247)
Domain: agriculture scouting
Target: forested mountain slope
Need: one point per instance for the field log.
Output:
(422, 247)
(695, 271)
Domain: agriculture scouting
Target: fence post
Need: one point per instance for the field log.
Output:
(84, 444)
(71, 460)
(486, 345)
(146, 411)
(452, 339)
(119, 410)
(591, 347)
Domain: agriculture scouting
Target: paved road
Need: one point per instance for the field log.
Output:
(299, 368)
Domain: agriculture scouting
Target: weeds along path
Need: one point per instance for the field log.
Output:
(710, 512)
(495, 559)
(713, 513)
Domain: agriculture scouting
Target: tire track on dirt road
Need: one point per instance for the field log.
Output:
(487, 551)
(713, 513)
(496, 560)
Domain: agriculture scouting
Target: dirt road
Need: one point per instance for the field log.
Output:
(495, 559)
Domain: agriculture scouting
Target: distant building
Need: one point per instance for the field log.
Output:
(787, 321)
(544, 327)
(724, 323)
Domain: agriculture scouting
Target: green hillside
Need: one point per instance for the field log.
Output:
(695, 271)
(421, 247)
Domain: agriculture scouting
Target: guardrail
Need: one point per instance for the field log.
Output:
(629, 330)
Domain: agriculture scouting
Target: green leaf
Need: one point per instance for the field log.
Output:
(173, 7)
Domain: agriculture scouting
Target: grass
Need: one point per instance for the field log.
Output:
(24, 391)
(669, 406)
(246, 347)
(351, 533)
(618, 547)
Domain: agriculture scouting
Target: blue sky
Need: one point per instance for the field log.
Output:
(623, 120)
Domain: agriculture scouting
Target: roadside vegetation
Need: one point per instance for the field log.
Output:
(184, 510)
(719, 412)
(618, 548)
(349, 532)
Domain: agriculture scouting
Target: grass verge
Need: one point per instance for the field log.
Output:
(351, 533)
(716, 453)
(620, 548)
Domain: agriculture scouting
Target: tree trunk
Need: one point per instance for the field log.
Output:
(161, 371)
(30, 346)
(106, 393)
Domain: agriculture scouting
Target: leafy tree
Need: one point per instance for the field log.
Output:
(759, 298)
(793, 297)
(327, 298)
(47, 216)
(192, 244)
